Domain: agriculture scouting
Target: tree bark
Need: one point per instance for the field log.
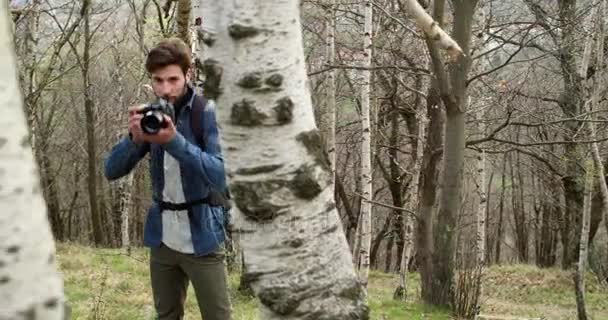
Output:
(378, 240)
(366, 167)
(184, 10)
(500, 229)
(433, 29)
(481, 190)
(296, 254)
(579, 276)
(408, 221)
(519, 213)
(89, 111)
(330, 132)
(429, 188)
(30, 284)
(453, 91)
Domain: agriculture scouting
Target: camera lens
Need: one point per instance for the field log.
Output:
(152, 122)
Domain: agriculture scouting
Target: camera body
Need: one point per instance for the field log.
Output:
(154, 119)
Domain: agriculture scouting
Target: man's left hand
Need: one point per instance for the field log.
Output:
(164, 135)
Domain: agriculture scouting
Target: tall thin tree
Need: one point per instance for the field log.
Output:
(366, 161)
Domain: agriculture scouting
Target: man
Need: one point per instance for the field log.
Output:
(184, 231)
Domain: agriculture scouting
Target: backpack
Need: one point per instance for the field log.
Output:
(216, 197)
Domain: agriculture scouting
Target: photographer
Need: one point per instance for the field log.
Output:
(184, 229)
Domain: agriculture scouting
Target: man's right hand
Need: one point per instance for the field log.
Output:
(137, 135)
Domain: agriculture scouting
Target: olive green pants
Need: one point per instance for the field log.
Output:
(170, 273)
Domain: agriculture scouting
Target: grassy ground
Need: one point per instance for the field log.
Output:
(104, 284)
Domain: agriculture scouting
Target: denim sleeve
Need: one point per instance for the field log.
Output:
(207, 163)
(123, 158)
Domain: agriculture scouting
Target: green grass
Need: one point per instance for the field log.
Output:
(525, 290)
(117, 287)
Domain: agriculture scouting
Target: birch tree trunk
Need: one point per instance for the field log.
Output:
(330, 139)
(366, 163)
(408, 223)
(30, 286)
(124, 186)
(433, 29)
(481, 190)
(296, 254)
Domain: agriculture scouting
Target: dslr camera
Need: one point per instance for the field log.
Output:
(154, 119)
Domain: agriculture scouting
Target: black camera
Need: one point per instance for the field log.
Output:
(154, 119)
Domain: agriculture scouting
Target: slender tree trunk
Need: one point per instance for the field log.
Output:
(395, 185)
(388, 262)
(429, 188)
(296, 254)
(330, 134)
(501, 209)
(579, 276)
(124, 186)
(597, 27)
(489, 247)
(30, 285)
(547, 220)
(366, 167)
(598, 85)
(481, 190)
(408, 222)
(519, 213)
(96, 223)
(378, 240)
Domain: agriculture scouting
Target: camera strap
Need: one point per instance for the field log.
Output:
(214, 199)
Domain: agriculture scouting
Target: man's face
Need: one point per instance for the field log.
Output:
(169, 82)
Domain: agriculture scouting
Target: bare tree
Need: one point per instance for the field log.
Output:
(453, 91)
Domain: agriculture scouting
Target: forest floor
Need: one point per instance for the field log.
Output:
(107, 284)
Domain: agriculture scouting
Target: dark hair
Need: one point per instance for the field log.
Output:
(168, 52)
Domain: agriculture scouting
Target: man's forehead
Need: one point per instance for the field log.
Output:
(166, 76)
(167, 72)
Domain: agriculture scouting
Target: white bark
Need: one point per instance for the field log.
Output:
(296, 254)
(432, 29)
(124, 186)
(480, 240)
(366, 165)
(331, 87)
(30, 286)
(31, 40)
(408, 222)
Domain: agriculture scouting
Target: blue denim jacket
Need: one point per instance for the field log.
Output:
(200, 170)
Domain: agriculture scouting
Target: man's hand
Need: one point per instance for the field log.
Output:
(164, 135)
(137, 135)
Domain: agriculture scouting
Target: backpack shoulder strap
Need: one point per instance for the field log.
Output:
(196, 119)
